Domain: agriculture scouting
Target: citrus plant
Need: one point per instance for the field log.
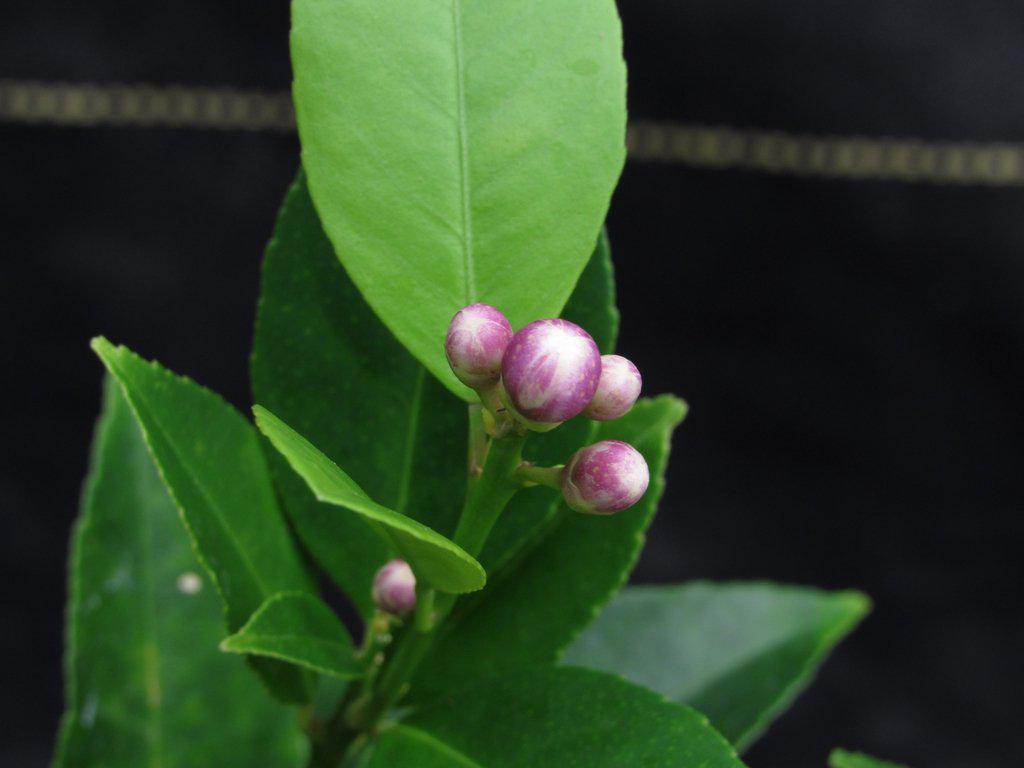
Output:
(441, 430)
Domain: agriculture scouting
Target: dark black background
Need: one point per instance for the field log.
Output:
(852, 351)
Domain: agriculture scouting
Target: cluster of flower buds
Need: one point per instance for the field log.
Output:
(544, 374)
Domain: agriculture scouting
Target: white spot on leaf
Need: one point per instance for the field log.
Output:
(189, 583)
(89, 708)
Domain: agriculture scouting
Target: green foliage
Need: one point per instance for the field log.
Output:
(436, 560)
(548, 590)
(211, 462)
(840, 758)
(740, 653)
(460, 151)
(146, 683)
(456, 152)
(552, 718)
(324, 364)
(297, 627)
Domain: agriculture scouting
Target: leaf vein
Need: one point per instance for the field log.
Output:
(469, 269)
(405, 481)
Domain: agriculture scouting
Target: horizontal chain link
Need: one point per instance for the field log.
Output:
(712, 147)
(855, 157)
(145, 105)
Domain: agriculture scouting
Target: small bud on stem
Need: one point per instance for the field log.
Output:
(550, 372)
(475, 344)
(605, 477)
(394, 588)
(617, 389)
(529, 473)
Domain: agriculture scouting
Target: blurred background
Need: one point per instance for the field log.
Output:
(844, 317)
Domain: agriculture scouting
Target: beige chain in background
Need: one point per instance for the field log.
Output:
(714, 147)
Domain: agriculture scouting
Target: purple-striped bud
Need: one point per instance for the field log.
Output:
(550, 372)
(604, 478)
(394, 588)
(617, 389)
(476, 342)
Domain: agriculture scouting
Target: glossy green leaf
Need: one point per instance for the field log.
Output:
(453, 161)
(146, 685)
(212, 464)
(554, 718)
(540, 597)
(840, 758)
(740, 653)
(435, 559)
(325, 365)
(297, 627)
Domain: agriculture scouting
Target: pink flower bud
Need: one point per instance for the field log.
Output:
(476, 342)
(394, 588)
(550, 371)
(617, 389)
(605, 477)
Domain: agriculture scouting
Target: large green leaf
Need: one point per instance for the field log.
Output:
(146, 685)
(325, 365)
(437, 561)
(740, 653)
(554, 718)
(212, 464)
(297, 627)
(460, 151)
(840, 758)
(539, 598)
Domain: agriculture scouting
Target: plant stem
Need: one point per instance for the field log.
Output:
(488, 496)
(549, 476)
(477, 442)
(338, 737)
(485, 500)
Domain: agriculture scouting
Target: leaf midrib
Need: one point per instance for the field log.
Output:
(412, 430)
(151, 661)
(193, 478)
(468, 265)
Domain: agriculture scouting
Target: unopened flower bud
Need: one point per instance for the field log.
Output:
(475, 344)
(550, 372)
(394, 588)
(604, 478)
(617, 389)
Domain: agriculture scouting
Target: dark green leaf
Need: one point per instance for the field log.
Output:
(452, 161)
(538, 599)
(554, 718)
(740, 653)
(146, 685)
(211, 461)
(840, 758)
(325, 364)
(297, 627)
(436, 560)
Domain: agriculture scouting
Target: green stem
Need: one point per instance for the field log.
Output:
(338, 737)
(477, 442)
(485, 501)
(549, 476)
(488, 496)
